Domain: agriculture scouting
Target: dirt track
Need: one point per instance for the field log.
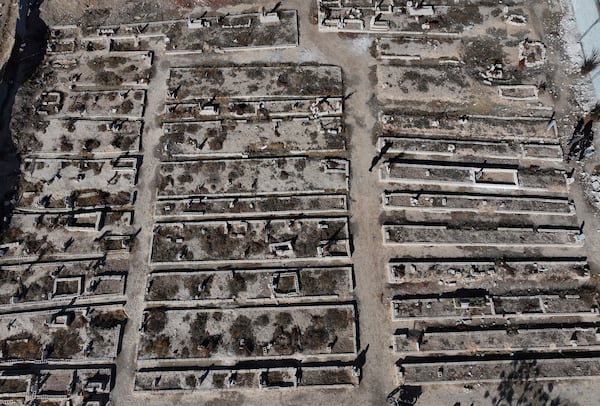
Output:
(369, 256)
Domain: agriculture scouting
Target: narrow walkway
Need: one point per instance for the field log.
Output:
(144, 210)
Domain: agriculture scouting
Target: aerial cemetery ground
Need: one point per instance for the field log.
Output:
(488, 281)
(347, 200)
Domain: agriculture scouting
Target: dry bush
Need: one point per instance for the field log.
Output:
(184, 3)
(595, 113)
(216, 3)
(156, 322)
(590, 62)
(65, 343)
(109, 319)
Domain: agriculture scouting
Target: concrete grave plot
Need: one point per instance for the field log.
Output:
(251, 240)
(427, 84)
(483, 306)
(419, 49)
(102, 69)
(110, 105)
(254, 82)
(231, 32)
(61, 45)
(63, 40)
(468, 236)
(327, 377)
(518, 92)
(514, 338)
(483, 273)
(585, 302)
(487, 54)
(444, 202)
(75, 385)
(242, 207)
(453, 85)
(251, 177)
(15, 387)
(458, 149)
(313, 108)
(251, 286)
(494, 371)
(441, 308)
(51, 284)
(487, 233)
(251, 31)
(242, 138)
(91, 198)
(532, 53)
(132, 43)
(497, 178)
(32, 383)
(76, 183)
(226, 336)
(73, 335)
(27, 242)
(84, 221)
(488, 221)
(385, 17)
(53, 138)
(469, 127)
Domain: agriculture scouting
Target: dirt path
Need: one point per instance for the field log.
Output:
(8, 22)
(567, 112)
(144, 211)
(365, 205)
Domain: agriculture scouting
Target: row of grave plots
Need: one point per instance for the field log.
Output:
(487, 170)
(257, 187)
(441, 18)
(485, 269)
(483, 320)
(455, 337)
(461, 181)
(467, 56)
(262, 30)
(251, 246)
(64, 259)
(47, 385)
(508, 71)
(80, 138)
(62, 342)
(309, 377)
(494, 189)
(61, 325)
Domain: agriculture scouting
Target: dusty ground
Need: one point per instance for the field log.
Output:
(369, 257)
(9, 11)
(102, 12)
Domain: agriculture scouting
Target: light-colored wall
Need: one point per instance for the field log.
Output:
(587, 14)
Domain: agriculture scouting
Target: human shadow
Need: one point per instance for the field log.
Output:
(404, 395)
(520, 385)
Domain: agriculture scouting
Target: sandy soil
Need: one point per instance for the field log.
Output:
(9, 13)
(369, 256)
